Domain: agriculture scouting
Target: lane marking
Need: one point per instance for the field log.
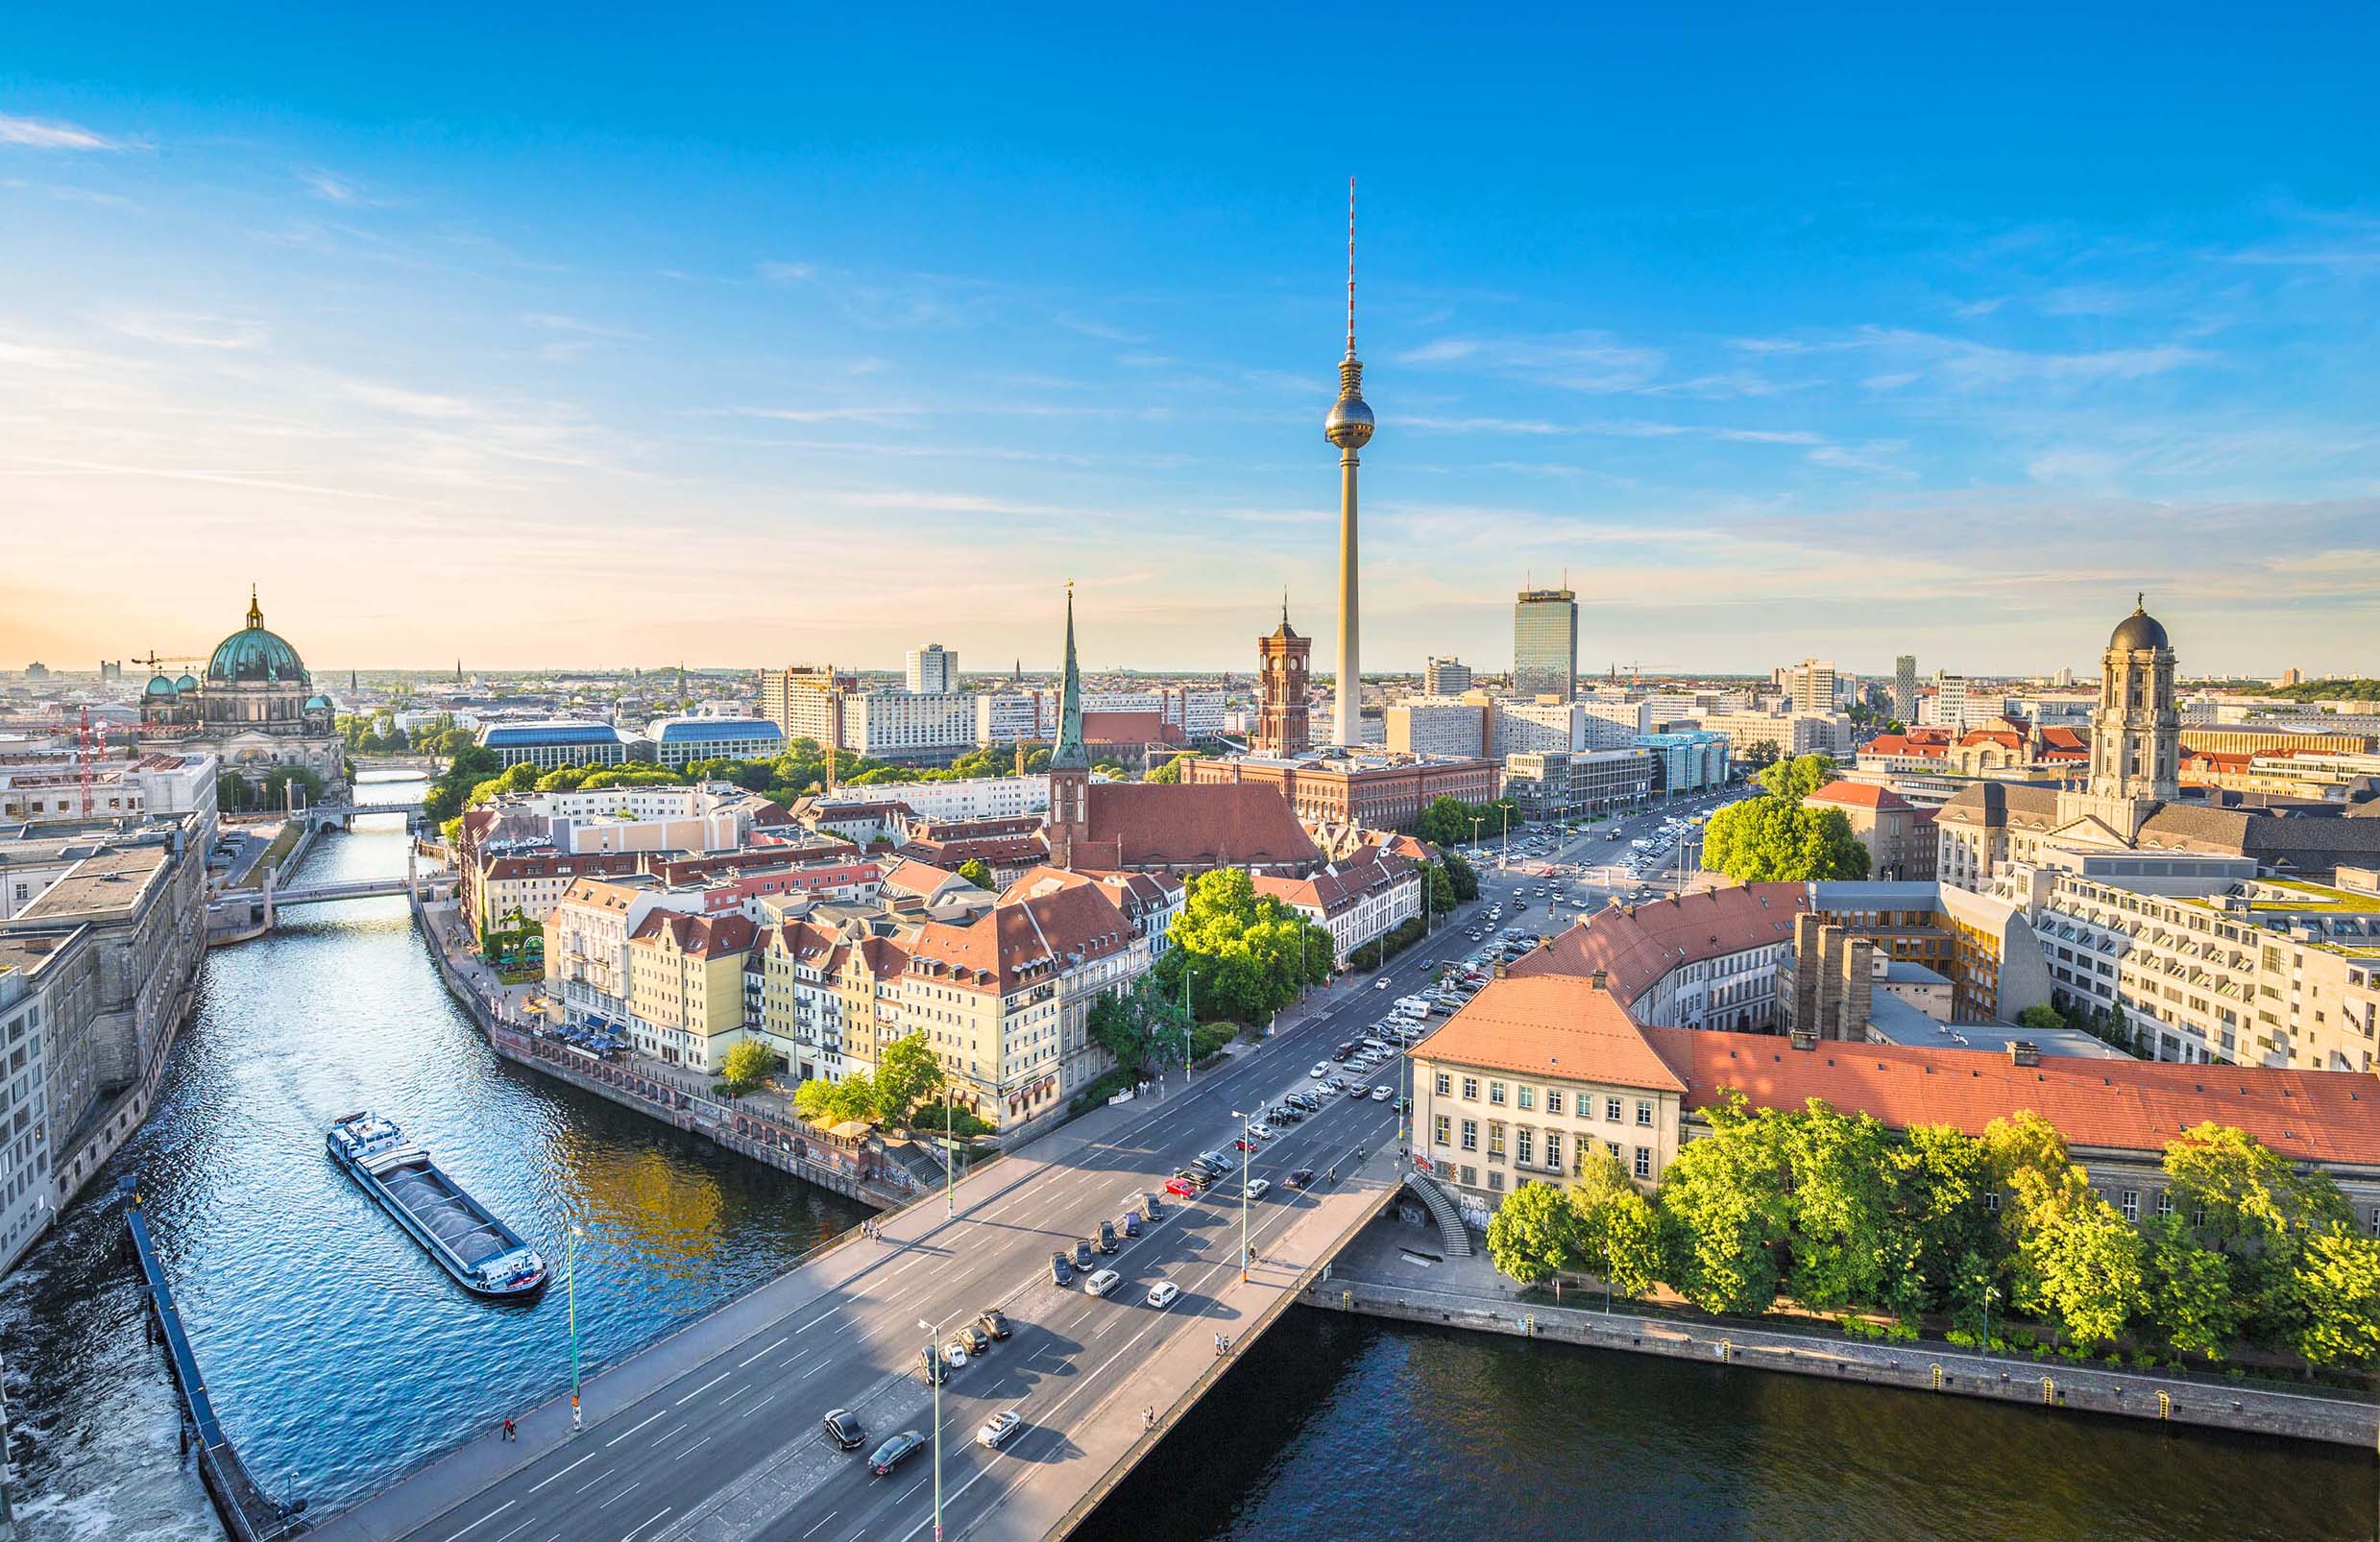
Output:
(704, 1387)
(485, 1519)
(631, 1536)
(757, 1354)
(757, 1407)
(688, 1451)
(674, 1429)
(633, 1429)
(821, 1521)
(622, 1494)
(518, 1530)
(731, 1396)
(543, 1482)
(592, 1481)
(819, 1319)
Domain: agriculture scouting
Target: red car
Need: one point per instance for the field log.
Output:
(1243, 1145)
(1180, 1186)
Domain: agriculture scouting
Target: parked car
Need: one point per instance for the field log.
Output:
(930, 1366)
(1102, 1283)
(894, 1451)
(1060, 1272)
(1244, 1143)
(1083, 1256)
(1321, 1069)
(1108, 1242)
(954, 1351)
(993, 1323)
(1342, 1051)
(1180, 1186)
(977, 1340)
(998, 1428)
(1152, 1206)
(845, 1428)
(1260, 1188)
(1163, 1294)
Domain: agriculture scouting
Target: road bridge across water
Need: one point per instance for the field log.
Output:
(714, 1434)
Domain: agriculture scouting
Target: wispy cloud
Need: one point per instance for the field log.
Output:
(787, 273)
(1093, 327)
(49, 133)
(888, 416)
(226, 334)
(1592, 362)
(336, 189)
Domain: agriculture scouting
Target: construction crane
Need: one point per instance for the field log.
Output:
(157, 661)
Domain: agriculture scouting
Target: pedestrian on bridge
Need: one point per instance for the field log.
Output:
(508, 1429)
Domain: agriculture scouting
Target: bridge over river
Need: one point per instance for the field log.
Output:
(714, 1434)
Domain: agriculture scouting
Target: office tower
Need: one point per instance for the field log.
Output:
(933, 668)
(1545, 643)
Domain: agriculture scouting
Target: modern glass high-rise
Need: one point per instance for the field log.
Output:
(1905, 688)
(1545, 643)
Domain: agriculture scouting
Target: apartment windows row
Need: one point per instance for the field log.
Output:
(1616, 1109)
(1528, 1146)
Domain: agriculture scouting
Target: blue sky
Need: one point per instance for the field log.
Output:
(543, 335)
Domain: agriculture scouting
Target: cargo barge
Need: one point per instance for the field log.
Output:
(484, 1256)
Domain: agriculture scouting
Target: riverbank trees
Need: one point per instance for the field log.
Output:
(1831, 1213)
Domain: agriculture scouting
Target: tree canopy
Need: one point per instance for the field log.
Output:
(1247, 954)
(1769, 839)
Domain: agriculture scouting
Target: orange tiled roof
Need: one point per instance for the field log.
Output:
(1858, 795)
(1202, 825)
(2129, 1105)
(1550, 1026)
(1637, 950)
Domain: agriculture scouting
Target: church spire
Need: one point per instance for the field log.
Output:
(1069, 755)
(256, 616)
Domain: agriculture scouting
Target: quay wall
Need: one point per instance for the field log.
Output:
(1916, 1367)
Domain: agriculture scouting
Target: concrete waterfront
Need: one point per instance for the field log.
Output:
(713, 1432)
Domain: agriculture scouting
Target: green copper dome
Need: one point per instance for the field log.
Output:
(254, 654)
(159, 686)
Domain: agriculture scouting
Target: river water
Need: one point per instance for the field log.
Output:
(339, 1356)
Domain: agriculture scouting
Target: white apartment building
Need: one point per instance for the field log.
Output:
(2252, 971)
(1006, 716)
(1810, 686)
(1436, 725)
(973, 798)
(1793, 734)
(1527, 726)
(1003, 717)
(1356, 900)
(897, 724)
(1446, 677)
(30, 977)
(932, 670)
(1614, 724)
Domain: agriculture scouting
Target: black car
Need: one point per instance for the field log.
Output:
(977, 1340)
(1060, 1272)
(1152, 1206)
(1342, 1051)
(1193, 1177)
(1108, 1242)
(930, 1366)
(1301, 1178)
(1131, 1223)
(845, 1429)
(894, 1451)
(994, 1324)
(1082, 1255)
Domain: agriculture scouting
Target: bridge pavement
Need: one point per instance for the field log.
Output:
(713, 1433)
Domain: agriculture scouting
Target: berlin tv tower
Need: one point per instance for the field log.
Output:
(1350, 427)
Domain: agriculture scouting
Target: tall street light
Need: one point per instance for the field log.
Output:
(569, 1275)
(934, 1359)
(949, 1155)
(1246, 1141)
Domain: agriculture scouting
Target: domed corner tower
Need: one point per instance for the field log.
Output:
(2136, 731)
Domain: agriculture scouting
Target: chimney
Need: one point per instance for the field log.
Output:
(1805, 1039)
(1499, 968)
(1597, 980)
(2024, 1052)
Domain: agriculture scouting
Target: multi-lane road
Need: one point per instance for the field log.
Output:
(716, 1433)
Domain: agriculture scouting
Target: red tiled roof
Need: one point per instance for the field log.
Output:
(2125, 1105)
(1207, 824)
(1035, 937)
(702, 936)
(1637, 950)
(1905, 744)
(1858, 795)
(1129, 727)
(911, 877)
(1550, 1026)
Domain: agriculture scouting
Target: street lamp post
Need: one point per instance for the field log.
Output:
(934, 1357)
(1504, 859)
(1246, 1141)
(950, 1157)
(1985, 1345)
(569, 1275)
(1189, 1023)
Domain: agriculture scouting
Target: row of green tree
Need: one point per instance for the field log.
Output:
(1774, 838)
(377, 734)
(2348, 689)
(238, 793)
(1830, 1211)
(1450, 822)
(907, 1075)
(475, 775)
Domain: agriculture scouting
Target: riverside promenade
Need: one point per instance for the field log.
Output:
(1397, 1270)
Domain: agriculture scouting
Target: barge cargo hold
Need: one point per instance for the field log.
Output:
(485, 1256)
